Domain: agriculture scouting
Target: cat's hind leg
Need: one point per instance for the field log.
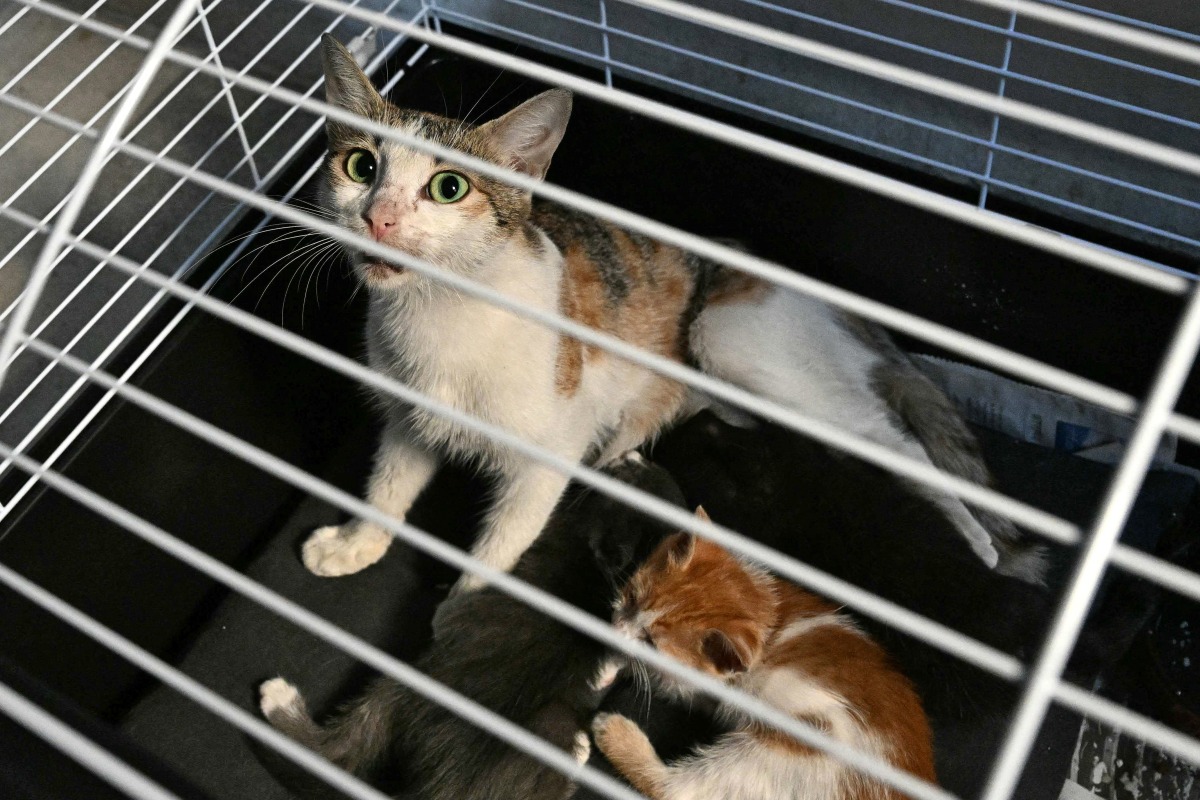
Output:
(402, 470)
(630, 751)
(355, 739)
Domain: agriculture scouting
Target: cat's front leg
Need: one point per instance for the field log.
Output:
(402, 469)
(524, 503)
(630, 751)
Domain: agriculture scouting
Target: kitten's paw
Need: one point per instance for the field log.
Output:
(606, 676)
(581, 751)
(633, 457)
(466, 583)
(332, 551)
(277, 696)
(618, 736)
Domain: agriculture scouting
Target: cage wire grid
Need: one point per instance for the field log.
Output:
(1165, 173)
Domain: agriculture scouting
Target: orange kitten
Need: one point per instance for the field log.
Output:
(699, 604)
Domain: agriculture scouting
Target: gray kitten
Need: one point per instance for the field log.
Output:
(539, 674)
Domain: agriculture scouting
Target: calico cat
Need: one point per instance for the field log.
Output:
(534, 671)
(575, 400)
(699, 604)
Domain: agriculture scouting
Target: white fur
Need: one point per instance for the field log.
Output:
(805, 625)
(277, 695)
(740, 767)
(793, 350)
(501, 368)
(489, 363)
(607, 674)
(581, 751)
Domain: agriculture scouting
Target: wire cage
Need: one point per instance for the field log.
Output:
(1009, 183)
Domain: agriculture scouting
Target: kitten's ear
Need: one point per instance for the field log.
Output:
(701, 514)
(346, 85)
(527, 136)
(724, 653)
(680, 549)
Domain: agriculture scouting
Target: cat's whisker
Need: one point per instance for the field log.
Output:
(290, 256)
(501, 99)
(254, 252)
(298, 273)
(314, 209)
(318, 265)
(268, 266)
(273, 228)
(301, 255)
(308, 283)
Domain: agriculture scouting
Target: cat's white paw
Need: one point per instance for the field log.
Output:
(606, 676)
(581, 751)
(466, 583)
(331, 551)
(278, 696)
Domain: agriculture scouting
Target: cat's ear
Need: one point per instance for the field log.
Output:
(680, 548)
(701, 514)
(347, 86)
(724, 653)
(527, 136)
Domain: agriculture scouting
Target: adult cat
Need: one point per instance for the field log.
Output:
(578, 401)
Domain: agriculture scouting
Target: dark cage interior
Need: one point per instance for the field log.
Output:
(1066, 314)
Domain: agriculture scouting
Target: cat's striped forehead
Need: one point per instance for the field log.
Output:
(451, 133)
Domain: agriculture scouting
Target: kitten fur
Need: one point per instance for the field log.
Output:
(863, 525)
(576, 400)
(699, 604)
(498, 651)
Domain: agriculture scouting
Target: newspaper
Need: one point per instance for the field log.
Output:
(1036, 415)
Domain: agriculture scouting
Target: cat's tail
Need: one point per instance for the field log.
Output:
(951, 446)
(356, 739)
(843, 371)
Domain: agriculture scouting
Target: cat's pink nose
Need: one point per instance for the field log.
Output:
(380, 219)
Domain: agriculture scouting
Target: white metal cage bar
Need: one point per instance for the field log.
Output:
(565, 329)
(349, 504)
(1134, 145)
(188, 262)
(550, 605)
(87, 178)
(963, 212)
(1044, 681)
(79, 747)
(984, 178)
(1097, 551)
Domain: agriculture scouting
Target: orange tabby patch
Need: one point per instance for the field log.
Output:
(658, 288)
(730, 286)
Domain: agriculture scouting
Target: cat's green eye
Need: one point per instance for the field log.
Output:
(448, 187)
(360, 166)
